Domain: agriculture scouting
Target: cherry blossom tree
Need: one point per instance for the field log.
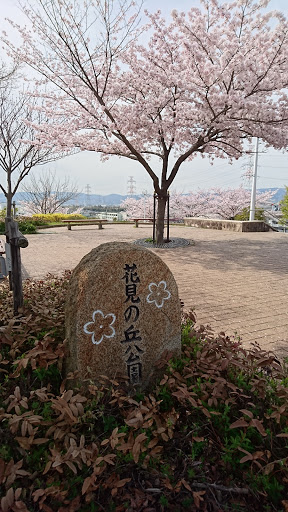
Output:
(28, 209)
(6, 74)
(45, 193)
(227, 203)
(202, 83)
(142, 208)
(194, 204)
(181, 205)
(17, 157)
(224, 203)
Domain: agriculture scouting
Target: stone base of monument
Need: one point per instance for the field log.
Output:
(123, 315)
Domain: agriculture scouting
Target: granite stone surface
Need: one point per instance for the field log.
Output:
(122, 314)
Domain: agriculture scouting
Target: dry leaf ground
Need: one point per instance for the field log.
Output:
(212, 435)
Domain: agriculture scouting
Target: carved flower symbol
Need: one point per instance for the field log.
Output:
(158, 293)
(101, 327)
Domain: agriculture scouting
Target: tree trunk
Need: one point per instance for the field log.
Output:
(9, 204)
(16, 278)
(162, 199)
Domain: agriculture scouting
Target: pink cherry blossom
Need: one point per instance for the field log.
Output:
(215, 202)
(203, 82)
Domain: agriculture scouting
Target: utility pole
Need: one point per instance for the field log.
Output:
(253, 191)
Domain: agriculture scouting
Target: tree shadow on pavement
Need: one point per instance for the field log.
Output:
(226, 255)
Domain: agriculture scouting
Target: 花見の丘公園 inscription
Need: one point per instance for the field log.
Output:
(122, 314)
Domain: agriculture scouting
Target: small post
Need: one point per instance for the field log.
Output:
(154, 216)
(15, 240)
(3, 268)
(168, 219)
(8, 252)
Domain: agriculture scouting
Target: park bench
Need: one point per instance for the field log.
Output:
(151, 220)
(144, 220)
(80, 222)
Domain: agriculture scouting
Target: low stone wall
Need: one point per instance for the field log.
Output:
(228, 225)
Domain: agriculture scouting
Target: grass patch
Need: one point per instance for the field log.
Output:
(211, 435)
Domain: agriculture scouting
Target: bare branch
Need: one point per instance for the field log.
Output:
(46, 194)
(17, 158)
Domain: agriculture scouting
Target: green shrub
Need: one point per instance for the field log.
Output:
(26, 227)
(25, 224)
(3, 213)
(38, 221)
(49, 218)
(284, 208)
(245, 214)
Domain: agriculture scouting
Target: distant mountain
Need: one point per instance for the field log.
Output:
(84, 199)
(279, 193)
(116, 199)
(94, 199)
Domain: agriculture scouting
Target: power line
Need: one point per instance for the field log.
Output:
(274, 167)
(270, 178)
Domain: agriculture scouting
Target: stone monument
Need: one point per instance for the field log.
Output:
(122, 314)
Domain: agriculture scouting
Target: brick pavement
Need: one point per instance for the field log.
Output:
(236, 282)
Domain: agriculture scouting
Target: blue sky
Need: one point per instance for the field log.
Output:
(113, 175)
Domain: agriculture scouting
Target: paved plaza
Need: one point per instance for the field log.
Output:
(235, 282)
